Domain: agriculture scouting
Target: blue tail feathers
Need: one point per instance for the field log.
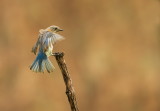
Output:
(41, 63)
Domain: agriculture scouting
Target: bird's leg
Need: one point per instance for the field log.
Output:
(53, 54)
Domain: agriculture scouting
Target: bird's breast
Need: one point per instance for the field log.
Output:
(49, 50)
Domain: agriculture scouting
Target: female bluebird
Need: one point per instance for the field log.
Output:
(47, 38)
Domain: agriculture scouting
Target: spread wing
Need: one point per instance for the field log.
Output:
(49, 39)
(34, 48)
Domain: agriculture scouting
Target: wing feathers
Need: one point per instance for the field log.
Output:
(47, 40)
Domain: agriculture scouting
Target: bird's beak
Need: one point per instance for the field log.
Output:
(60, 29)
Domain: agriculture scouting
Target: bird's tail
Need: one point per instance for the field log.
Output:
(41, 63)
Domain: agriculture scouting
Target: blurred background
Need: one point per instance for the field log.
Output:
(112, 50)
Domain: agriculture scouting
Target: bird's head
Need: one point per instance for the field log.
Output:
(54, 28)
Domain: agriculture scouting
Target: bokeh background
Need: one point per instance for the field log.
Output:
(112, 50)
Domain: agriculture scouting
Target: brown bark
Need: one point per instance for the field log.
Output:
(68, 81)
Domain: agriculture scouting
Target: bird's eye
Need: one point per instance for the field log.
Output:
(55, 28)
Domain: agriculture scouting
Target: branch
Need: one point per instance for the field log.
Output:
(68, 81)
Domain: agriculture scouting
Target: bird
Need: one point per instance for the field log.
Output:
(47, 38)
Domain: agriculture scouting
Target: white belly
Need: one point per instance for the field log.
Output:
(49, 51)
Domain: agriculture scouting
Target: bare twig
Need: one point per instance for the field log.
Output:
(68, 81)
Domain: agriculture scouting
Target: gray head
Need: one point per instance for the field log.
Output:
(54, 28)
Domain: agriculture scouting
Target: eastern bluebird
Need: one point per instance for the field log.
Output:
(47, 38)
